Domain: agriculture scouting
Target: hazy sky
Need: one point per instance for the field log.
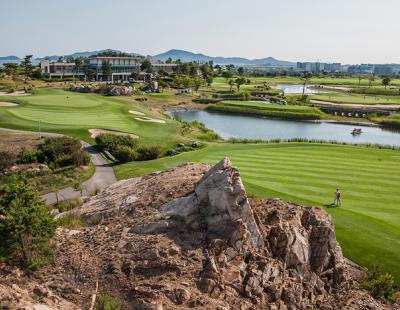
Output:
(348, 31)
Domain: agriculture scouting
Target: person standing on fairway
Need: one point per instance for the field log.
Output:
(338, 202)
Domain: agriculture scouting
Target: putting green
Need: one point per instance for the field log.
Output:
(75, 113)
(368, 223)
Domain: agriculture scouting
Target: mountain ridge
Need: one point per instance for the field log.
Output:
(183, 55)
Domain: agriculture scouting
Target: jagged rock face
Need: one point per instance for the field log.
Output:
(218, 208)
(190, 238)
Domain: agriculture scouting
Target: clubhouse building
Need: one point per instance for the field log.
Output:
(121, 68)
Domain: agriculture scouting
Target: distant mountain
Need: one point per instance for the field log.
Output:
(9, 59)
(81, 54)
(186, 56)
(174, 54)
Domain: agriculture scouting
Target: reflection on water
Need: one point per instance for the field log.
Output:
(242, 126)
(298, 89)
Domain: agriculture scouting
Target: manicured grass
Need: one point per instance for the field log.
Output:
(346, 81)
(356, 98)
(392, 120)
(271, 110)
(367, 224)
(74, 113)
(220, 84)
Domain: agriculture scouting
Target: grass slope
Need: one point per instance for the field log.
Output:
(356, 98)
(271, 110)
(368, 223)
(75, 113)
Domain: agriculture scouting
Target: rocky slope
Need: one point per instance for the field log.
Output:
(190, 238)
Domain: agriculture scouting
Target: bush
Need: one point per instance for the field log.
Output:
(379, 284)
(26, 157)
(62, 151)
(26, 227)
(109, 142)
(148, 152)
(7, 159)
(106, 302)
(124, 153)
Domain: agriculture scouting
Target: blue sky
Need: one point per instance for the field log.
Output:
(349, 31)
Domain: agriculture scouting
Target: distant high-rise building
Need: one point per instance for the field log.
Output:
(316, 67)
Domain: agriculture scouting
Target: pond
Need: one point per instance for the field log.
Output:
(298, 89)
(243, 126)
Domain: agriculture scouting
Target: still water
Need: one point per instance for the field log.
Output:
(298, 89)
(242, 126)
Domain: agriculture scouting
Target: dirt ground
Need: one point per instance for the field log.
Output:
(15, 142)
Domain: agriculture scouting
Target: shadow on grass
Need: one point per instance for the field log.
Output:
(331, 205)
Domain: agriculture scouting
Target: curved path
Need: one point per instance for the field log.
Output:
(102, 178)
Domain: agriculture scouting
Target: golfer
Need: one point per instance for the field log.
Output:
(337, 202)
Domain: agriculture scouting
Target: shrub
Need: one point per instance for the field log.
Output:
(62, 151)
(109, 141)
(26, 157)
(124, 153)
(7, 159)
(26, 226)
(379, 284)
(148, 152)
(106, 302)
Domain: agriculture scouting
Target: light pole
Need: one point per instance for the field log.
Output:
(39, 127)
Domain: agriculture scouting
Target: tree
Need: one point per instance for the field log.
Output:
(230, 67)
(360, 77)
(10, 69)
(306, 77)
(37, 73)
(89, 73)
(197, 82)
(169, 60)
(227, 75)
(78, 65)
(106, 69)
(231, 84)
(371, 79)
(386, 81)
(146, 66)
(241, 71)
(26, 226)
(135, 75)
(239, 82)
(27, 66)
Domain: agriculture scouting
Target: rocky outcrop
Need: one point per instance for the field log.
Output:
(17, 292)
(190, 238)
(108, 90)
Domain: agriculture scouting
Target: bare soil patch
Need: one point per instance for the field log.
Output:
(95, 132)
(7, 104)
(149, 119)
(16, 142)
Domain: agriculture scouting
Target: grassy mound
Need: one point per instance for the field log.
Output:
(270, 110)
(367, 224)
(75, 113)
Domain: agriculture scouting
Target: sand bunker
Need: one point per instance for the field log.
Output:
(7, 104)
(96, 132)
(14, 94)
(151, 120)
(136, 112)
